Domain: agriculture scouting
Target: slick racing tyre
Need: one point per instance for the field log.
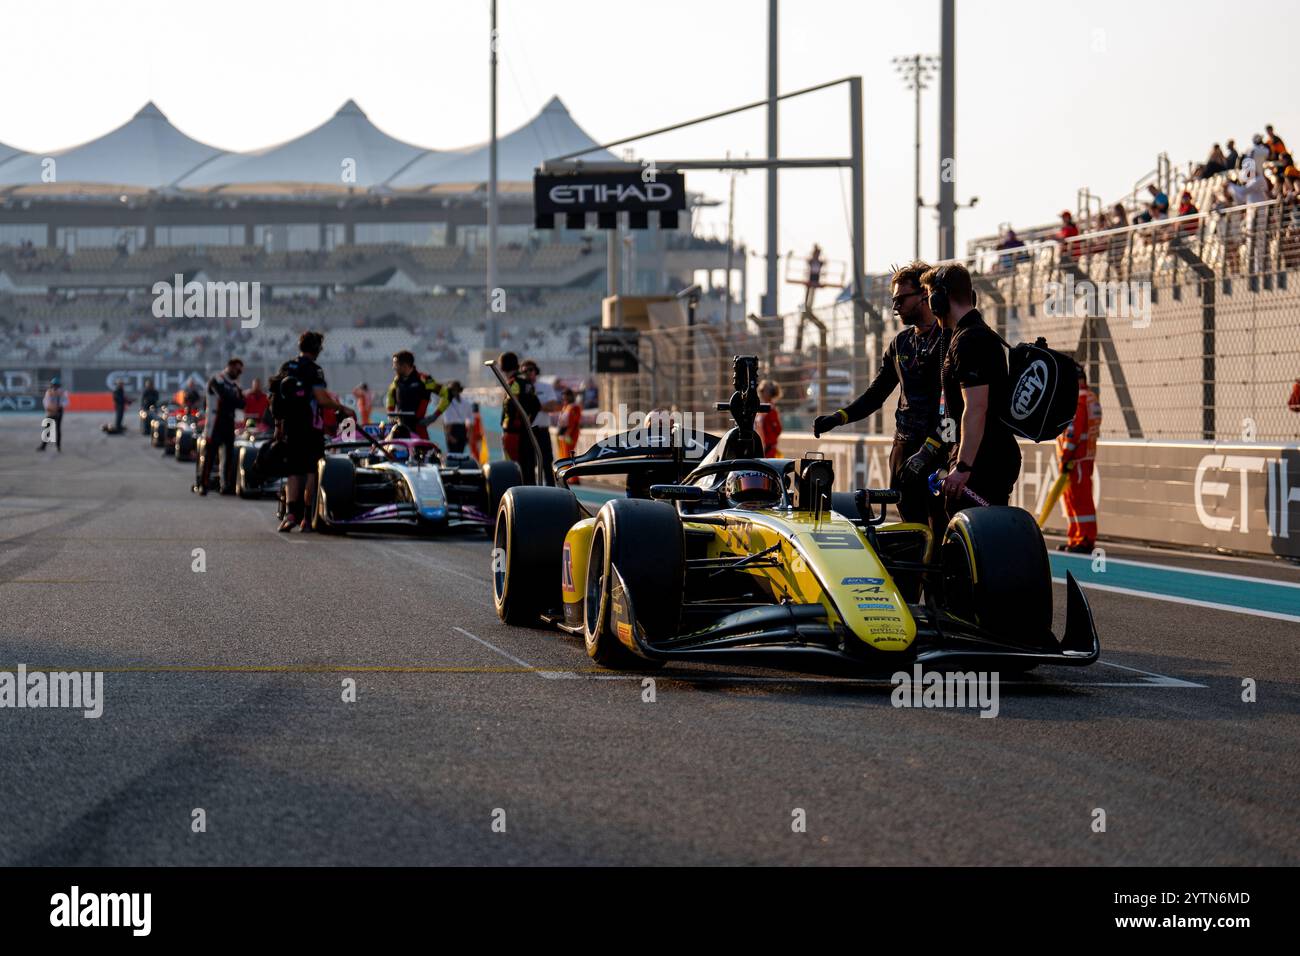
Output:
(996, 575)
(335, 492)
(186, 445)
(644, 541)
(244, 485)
(500, 477)
(528, 551)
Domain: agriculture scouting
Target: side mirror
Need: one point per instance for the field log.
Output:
(693, 493)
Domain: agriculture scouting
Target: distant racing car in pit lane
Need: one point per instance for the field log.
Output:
(251, 440)
(400, 483)
(745, 558)
(186, 435)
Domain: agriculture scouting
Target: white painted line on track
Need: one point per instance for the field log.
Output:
(548, 675)
(1157, 680)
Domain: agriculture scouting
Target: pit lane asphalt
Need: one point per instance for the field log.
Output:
(223, 692)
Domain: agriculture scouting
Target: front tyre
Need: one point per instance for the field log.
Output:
(528, 552)
(996, 574)
(335, 492)
(643, 540)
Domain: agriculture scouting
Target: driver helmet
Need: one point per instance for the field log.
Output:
(753, 489)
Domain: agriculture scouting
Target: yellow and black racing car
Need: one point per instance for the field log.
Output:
(719, 553)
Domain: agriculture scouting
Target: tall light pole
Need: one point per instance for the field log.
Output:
(491, 336)
(916, 71)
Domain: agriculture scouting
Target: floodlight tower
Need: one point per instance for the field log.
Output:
(916, 71)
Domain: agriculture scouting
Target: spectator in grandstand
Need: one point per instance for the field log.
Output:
(548, 400)
(256, 401)
(912, 363)
(1067, 233)
(1274, 143)
(1009, 241)
(514, 426)
(297, 395)
(569, 427)
(365, 400)
(1258, 156)
(1293, 402)
(410, 394)
(1159, 201)
(768, 424)
(1214, 164)
(1231, 158)
(1076, 451)
(457, 419)
(225, 398)
(55, 401)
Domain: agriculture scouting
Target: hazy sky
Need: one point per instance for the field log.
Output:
(1052, 95)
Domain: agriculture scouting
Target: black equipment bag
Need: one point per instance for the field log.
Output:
(1044, 391)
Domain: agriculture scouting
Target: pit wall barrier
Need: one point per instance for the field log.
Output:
(1238, 497)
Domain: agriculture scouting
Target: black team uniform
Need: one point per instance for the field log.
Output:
(914, 360)
(976, 357)
(292, 403)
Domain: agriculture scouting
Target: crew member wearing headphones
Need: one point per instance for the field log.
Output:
(985, 458)
(911, 363)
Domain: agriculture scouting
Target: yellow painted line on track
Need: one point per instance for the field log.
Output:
(56, 581)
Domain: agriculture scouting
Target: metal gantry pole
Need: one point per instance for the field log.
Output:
(491, 335)
(947, 131)
(770, 297)
(859, 239)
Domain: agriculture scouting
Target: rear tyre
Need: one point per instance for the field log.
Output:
(644, 541)
(335, 492)
(528, 552)
(500, 477)
(996, 574)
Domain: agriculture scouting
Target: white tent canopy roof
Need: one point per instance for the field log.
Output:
(145, 151)
(550, 133)
(346, 142)
(149, 152)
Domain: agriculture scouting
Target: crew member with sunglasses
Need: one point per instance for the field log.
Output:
(912, 362)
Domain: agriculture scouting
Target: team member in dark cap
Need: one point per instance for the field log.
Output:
(298, 395)
(985, 458)
(911, 363)
(225, 398)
